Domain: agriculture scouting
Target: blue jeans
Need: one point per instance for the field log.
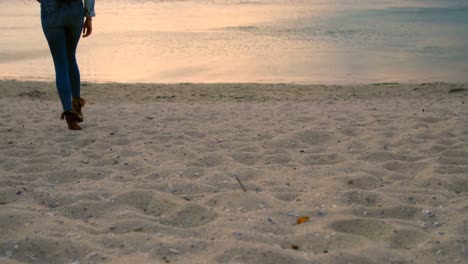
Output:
(62, 23)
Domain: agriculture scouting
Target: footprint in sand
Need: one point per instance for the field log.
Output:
(10, 194)
(84, 210)
(372, 256)
(42, 249)
(320, 242)
(364, 198)
(322, 159)
(456, 183)
(371, 229)
(399, 212)
(246, 158)
(363, 182)
(190, 215)
(302, 139)
(257, 255)
(147, 202)
(241, 201)
(285, 195)
(70, 175)
(386, 156)
(407, 238)
(14, 219)
(171, 252)
(209, 161)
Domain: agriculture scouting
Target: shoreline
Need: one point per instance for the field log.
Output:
(246, 91)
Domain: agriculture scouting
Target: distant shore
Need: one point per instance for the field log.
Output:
(143, 92)
(223, 173)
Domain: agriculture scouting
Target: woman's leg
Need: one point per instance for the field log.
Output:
(73, 34)
(57, 39)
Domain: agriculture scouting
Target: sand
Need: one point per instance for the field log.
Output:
(381, 171)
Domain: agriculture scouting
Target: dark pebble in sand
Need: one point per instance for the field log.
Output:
(457, 90)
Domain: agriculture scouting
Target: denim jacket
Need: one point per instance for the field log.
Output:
(88, 7)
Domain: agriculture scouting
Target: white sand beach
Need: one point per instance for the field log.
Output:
(380, 170)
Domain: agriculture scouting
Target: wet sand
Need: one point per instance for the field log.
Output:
(380, 170)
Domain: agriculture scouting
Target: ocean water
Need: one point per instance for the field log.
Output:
(287, 41)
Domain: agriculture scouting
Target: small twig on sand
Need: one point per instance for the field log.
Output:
(240, 183)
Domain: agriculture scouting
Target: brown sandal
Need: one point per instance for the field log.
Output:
(72, 120)
(77, 104)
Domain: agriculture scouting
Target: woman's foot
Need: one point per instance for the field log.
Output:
(72, 120)
(77, 104)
